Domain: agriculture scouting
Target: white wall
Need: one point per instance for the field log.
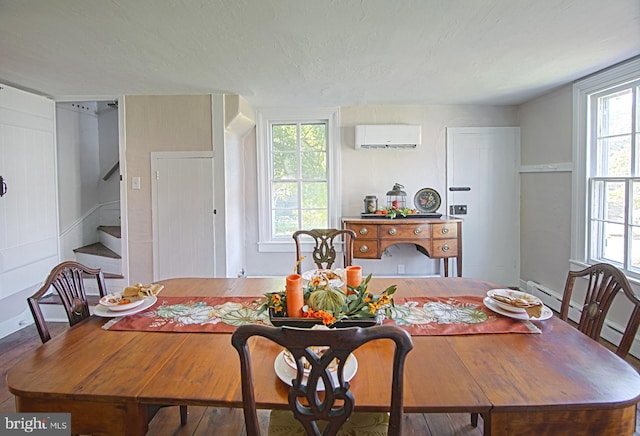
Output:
(158, 123)
(78, 160)
(28, 211)
(373, 172)
(545, 224)
(108, 139)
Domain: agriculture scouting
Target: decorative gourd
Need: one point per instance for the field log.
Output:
(329, 299)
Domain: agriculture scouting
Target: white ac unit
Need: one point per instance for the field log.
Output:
(388, 136)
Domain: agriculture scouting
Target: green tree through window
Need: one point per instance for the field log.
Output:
(299, 182)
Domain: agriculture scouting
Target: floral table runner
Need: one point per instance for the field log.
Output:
(420, 316)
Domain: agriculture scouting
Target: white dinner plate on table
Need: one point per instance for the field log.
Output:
(101, 310)
(286, 373)
(335, 282)
(526, 300)
(546, 312)
(114, 302)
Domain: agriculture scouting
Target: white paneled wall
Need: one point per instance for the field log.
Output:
(28, 211)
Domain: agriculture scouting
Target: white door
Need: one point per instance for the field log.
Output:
(483, 181)
(183, 215)
(29, 208)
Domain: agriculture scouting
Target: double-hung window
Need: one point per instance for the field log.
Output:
(298, 174)
(610, 134)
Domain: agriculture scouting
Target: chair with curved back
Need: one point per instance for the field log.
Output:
(604, 283)
(67, 279)
(324, 252)
(334, 411)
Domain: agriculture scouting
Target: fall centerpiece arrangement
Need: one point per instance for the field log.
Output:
(331, 305)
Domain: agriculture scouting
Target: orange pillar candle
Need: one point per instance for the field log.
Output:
(354, 276)
(295, 296)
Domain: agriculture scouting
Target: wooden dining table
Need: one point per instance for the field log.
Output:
(556, 382)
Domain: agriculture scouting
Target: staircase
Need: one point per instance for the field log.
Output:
(104, 254)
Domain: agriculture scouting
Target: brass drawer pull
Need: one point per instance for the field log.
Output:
(392, 231)
(364, 249)
(445, 230)
(363, 231)
(417, 231)
(445, 247)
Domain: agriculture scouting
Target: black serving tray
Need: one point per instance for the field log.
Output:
(398, 216)
(308, 323)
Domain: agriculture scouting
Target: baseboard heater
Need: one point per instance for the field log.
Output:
(611, 331)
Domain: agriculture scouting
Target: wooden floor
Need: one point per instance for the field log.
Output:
(209, 420)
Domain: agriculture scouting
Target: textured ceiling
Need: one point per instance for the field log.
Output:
(313, 52)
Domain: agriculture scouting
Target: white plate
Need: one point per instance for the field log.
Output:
(309, 275)
(106, 312)
(289, 360)
(286, 373)
(512, 294)
(135, 302)
(491, 304)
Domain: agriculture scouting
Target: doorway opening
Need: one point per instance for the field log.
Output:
(88, 150)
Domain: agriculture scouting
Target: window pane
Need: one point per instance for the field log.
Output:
(314, 165)
(285, 195)
(635, 202)
(313, 137)
(635, 247)
(285, 166)
(314, 195)
(614, 157)
(284, 137)
(614, 202)
(614, 114)
(285, 222)
(314, 219)
(608, 201)
(637, 90)
(597, 199)
(613, 237)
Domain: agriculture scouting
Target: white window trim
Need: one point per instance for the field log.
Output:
(264, 117)
(582, 89)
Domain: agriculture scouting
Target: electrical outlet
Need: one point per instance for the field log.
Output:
(400, 268)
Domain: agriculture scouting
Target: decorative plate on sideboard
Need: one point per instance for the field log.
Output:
(427, 200)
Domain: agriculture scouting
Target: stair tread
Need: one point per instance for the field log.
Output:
(115, 231)
(97, 249)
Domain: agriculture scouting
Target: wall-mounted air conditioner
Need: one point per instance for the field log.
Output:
(388, 136)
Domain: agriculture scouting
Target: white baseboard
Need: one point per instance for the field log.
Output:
(16, 323)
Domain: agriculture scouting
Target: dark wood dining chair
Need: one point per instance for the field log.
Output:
(67, 279)
(324, 252)
(605, 282)
(336, 407)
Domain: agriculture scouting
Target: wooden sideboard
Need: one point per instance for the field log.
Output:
(438, 238)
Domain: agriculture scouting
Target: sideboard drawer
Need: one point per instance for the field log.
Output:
(444, 248)
(445, 230)
(364, 231)
(405, 231)
(365, 248)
